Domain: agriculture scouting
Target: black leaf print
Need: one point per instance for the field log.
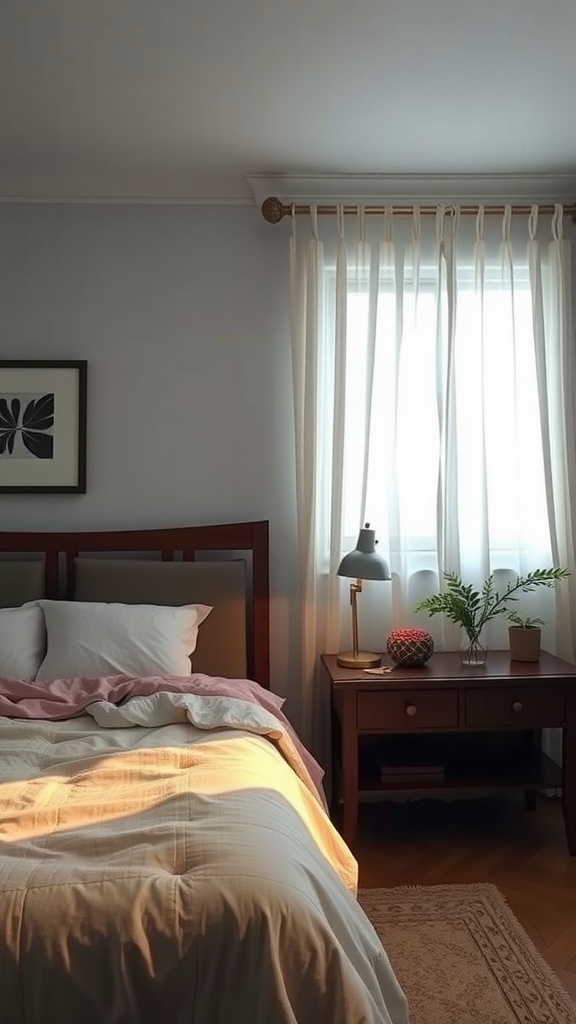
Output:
(34, 426)
(6, 418)
(39, 444)
(7, 438)
(39, 414)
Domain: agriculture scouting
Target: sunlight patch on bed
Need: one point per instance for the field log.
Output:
(130, 784)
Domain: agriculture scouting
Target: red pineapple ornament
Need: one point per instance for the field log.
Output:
(410, 646)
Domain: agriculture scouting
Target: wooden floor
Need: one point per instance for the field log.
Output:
(491, 839)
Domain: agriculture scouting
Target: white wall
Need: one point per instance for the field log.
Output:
(182, 314)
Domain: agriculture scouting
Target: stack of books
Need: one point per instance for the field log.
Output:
(417, 773)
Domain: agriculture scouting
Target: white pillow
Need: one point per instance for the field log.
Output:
(22, 641)
(91, 638)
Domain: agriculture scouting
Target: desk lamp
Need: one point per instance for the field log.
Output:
(363, 563)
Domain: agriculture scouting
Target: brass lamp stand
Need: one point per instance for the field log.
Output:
(356, 658)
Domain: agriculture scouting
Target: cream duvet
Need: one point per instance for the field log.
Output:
(167, 859)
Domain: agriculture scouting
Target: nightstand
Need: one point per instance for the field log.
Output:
(446, 726)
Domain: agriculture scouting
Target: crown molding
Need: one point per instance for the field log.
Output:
(411, 188)
(240, 190)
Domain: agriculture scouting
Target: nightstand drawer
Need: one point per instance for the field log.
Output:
(407, 710)
(528, 707)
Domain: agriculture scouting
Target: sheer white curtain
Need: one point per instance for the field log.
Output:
(434, 398)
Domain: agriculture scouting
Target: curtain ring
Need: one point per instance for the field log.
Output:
(506, 221)
(388, 227)
(440, 224)
(416, 224)
(533, 222)
(557, 222)
(480, 223)
(361, 212)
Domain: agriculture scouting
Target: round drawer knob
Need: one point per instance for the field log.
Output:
(517, 706)
(411, 710)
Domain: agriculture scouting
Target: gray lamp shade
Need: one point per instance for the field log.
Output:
(364, 563)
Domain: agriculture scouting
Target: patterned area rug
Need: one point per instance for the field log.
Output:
(463, 958)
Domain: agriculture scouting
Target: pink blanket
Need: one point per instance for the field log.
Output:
(68, 698)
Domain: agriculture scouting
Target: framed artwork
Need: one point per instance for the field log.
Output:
(43, 426)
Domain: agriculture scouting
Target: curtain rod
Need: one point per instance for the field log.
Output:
(273, 210)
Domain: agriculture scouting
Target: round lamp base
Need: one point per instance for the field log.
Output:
(364, 659)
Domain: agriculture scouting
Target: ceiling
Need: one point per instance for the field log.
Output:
(168, 99)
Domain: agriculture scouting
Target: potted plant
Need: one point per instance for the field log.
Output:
(472, 609)
(524, 637)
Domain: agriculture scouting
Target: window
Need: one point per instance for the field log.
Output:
(428, 402)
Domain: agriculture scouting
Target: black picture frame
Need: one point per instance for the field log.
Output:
(43, 426)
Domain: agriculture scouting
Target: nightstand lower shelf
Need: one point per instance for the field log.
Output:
(536, 771)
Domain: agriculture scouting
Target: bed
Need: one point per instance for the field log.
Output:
(165, 852)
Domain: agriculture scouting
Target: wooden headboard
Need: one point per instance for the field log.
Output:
(60, 551)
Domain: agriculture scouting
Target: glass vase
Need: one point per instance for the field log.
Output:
(472, 650)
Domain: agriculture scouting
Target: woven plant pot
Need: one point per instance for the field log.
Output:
(410, 646)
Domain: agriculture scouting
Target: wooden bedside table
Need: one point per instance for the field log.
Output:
(453, 706)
